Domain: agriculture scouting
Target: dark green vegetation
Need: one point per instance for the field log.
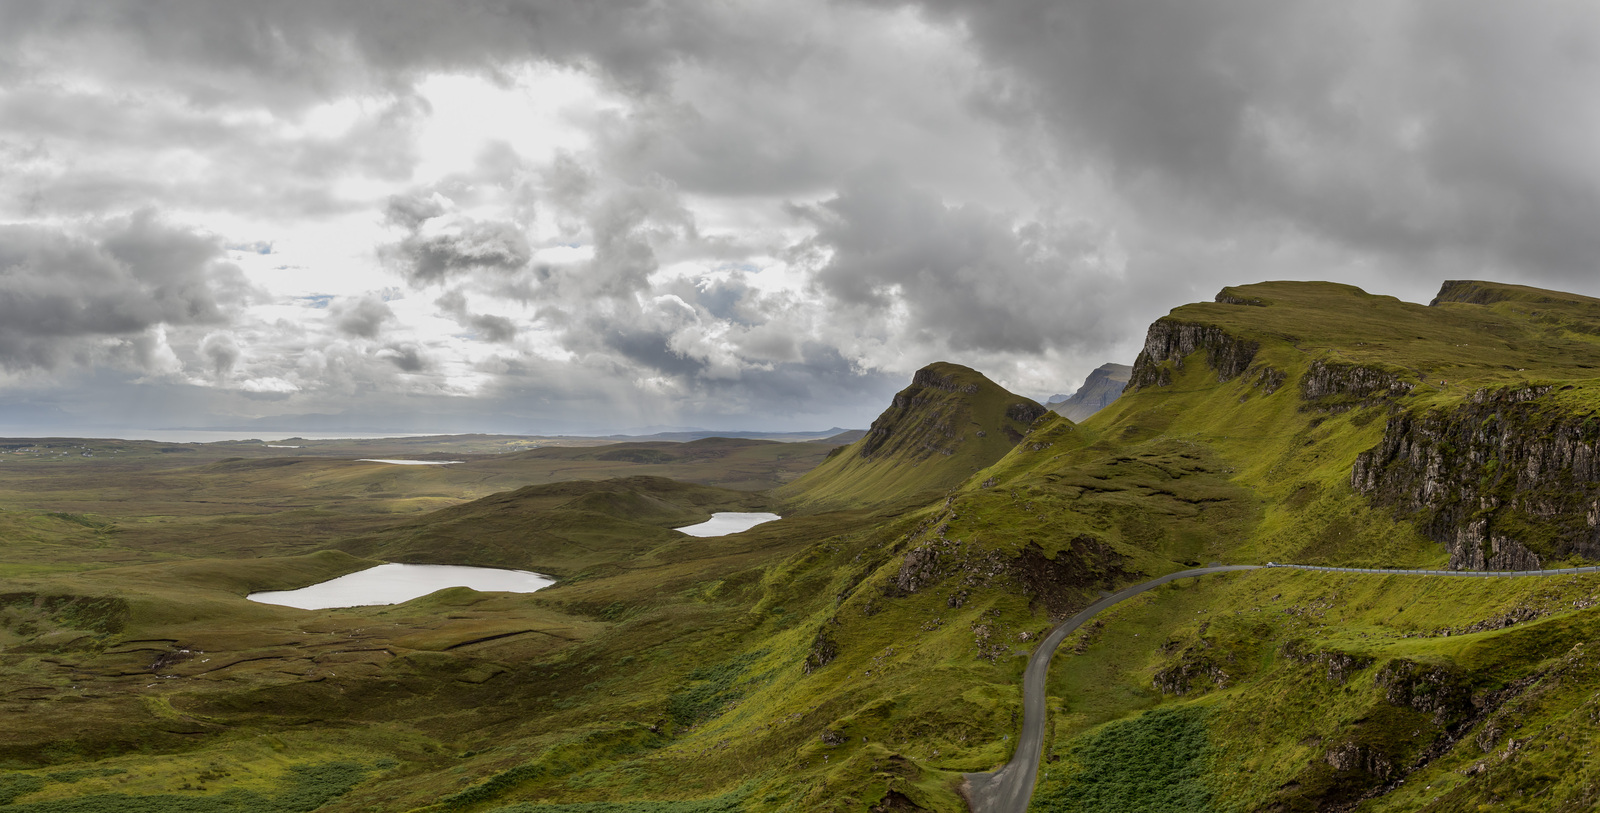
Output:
(864, 653)
(1155, 761)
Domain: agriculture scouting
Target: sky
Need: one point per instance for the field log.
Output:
(562, 216)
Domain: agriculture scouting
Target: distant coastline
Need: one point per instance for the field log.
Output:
(202, 435)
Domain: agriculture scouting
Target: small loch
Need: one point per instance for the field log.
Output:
(408, 462)
(394, 583)
(723, 523)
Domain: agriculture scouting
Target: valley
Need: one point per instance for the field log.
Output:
(888, 642)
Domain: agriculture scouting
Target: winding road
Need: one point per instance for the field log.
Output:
(1009, 789)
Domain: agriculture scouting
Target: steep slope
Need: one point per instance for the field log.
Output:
(1314, 422)
(1103, 386)
(951, 422)
(1488, 398)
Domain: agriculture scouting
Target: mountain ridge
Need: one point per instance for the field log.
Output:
(948, 423)
(1103, 386)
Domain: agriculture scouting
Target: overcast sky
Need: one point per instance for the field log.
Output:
(497, 215)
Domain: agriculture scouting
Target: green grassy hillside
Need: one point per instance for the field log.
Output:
(951, 422)
(865, 652)
(562, 528)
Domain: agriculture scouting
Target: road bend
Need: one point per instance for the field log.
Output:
(1010, 789)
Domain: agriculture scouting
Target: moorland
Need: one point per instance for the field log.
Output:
(865, 652)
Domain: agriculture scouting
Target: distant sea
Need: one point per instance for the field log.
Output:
(198, 435)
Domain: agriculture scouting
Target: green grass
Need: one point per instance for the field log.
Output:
(302, 789)
(732, 802)
(932, 438)
(1155, 762)
(1273, 720)
(669, 673)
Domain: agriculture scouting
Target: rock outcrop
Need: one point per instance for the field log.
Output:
(1504, 481)
(1336, 666)
(1058, 583)
(1337, 386)
(1172, 339)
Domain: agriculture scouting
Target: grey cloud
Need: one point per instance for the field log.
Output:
(364, 317)
(488, 326)
(1403, 130)
(969, 278)
(408, 357)
(626, 225)
(466, 245)
(221, 351)
(412, 210)
(652, 349)
(90, 152)
(293, 53)
(493, 328)
(116, 280)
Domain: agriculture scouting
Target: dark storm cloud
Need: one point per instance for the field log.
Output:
(1402, 129)
(59, 290)
(651, 349)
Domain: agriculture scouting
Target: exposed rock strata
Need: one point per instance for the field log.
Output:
(1266, 378)
(1504, 481)
(823, 651)
(1229, 296)
(1171, 339)
(1336, 386)
(1057, 583)
(1194, 669)
(1436, 690)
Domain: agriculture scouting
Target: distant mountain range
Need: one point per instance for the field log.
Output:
(1102, 387)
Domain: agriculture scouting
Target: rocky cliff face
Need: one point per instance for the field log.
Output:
(1058, 584)
(1171, 339)
(1504, 481)
(1336, 386)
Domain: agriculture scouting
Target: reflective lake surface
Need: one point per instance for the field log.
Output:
(394, 583)
(408, 462)
(723, 523)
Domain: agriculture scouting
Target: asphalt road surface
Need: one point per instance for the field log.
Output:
(1009, 789)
